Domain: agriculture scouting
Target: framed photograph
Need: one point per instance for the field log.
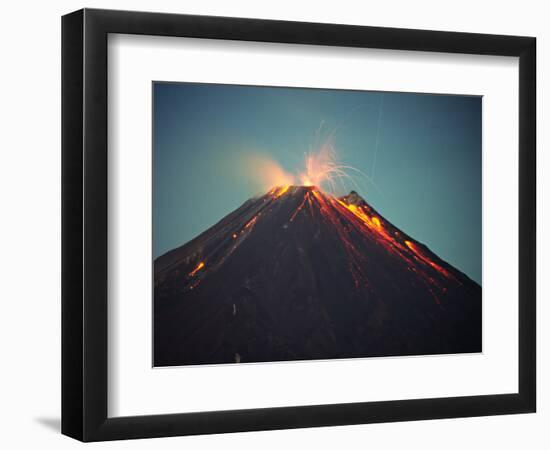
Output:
(273, 224)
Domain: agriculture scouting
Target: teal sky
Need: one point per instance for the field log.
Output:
(422, 151)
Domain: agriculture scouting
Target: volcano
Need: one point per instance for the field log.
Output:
(298, 274)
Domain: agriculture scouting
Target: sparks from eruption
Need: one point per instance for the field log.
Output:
(323, 169)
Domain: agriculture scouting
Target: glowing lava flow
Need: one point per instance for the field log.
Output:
(280, 192)
(251, 222)
(357, 260)
(306, 199)
(391, 241)
(196, 269)
(425, 259)
(375, 224)
(218, 254)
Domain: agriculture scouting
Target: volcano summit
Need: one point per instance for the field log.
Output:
(298, 274)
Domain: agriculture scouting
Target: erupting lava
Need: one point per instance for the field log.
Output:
(301, 274)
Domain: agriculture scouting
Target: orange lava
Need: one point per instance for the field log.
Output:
(281, 191)
(306, 198)
(199, 267)
(251, 222)
(425, 259)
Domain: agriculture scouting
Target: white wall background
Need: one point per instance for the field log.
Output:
(30, 222)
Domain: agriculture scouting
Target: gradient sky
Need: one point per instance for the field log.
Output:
(422, 151)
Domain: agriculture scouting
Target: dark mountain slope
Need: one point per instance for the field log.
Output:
(299, 274)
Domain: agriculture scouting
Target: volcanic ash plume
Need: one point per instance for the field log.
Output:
(301, 274)
(264, 172)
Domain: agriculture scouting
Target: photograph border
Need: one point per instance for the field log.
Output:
(85, 236)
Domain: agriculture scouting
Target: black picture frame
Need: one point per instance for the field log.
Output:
(84, 224)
